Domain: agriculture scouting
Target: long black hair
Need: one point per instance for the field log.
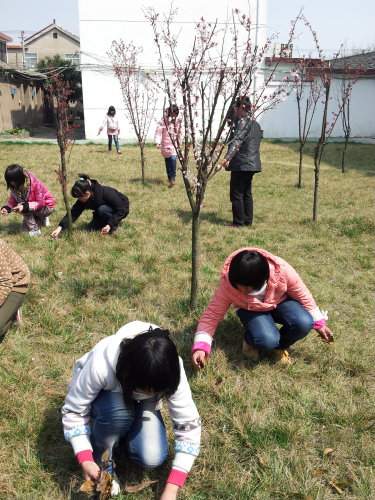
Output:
(111, 108)
(148, 362)
(15, 173)
(82, 186)
(249, 268)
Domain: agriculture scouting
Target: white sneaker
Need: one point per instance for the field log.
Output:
(35, 233)
(116, 488)
(46, 222)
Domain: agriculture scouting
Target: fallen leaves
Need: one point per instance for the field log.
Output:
(328, 451)
(218, 381)
(201, 363)
(263, 463)
(317, 472)
(138, 487)
(335, 487)
(302, 496)
(101, 488)
(87, 486)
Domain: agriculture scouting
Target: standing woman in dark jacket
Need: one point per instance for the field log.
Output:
(109, 206)
(243, 161)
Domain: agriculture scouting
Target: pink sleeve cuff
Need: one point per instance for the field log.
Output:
(177, 477)
(85, 456)
(319, 324)
(202, 346)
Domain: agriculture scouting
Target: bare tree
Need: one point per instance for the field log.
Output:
(219, 68)
(138, 92)
(59, 93)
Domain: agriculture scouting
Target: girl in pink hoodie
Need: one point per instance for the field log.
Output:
(264, 290)
(29, 197)
(167, 136)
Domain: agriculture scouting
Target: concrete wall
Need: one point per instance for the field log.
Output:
(21, 109)
(282, 122)
(99, 26)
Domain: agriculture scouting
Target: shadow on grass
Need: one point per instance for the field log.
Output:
(359, 156)
(186, 217)
(57, 459)
(11, 227)
(148, 182)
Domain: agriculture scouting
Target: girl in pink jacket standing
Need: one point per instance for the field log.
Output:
(264, 290)
(167, 136)
(113, 129)
(29, 197)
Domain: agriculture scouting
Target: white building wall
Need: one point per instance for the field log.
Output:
(282, 122)
(100, 25)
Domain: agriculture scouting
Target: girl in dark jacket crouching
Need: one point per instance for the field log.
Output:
(109, 205)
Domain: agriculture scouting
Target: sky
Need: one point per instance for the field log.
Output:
(335, 21)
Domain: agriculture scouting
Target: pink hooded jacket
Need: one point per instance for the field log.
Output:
(39, 195)
(162, 136)
(283, 282)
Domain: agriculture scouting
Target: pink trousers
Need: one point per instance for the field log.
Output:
(34, 220)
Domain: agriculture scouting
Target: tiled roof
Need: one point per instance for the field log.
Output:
(49, 28)
(6, 37)
(14, 47)
(367, 60)
(25, 73)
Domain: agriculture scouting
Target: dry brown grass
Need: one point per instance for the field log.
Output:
(264, 428)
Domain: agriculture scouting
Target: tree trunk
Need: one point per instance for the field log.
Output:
(316, 186)
(300, 166)
(65, 194)
(344, 153)
(142, 146)
(195, 258)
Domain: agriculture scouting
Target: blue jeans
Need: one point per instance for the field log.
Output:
(170, 166)
(101, 216)
(143, 429)
(115, 137)
(262, 333)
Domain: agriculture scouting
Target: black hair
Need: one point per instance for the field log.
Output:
(111, 108)
(173, 109)
(249, 268)
(15, 173)
(148, 362)
(243, 102)
(82, 186)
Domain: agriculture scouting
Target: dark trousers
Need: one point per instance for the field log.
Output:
(241, 198)
(170, 166)
(8, 311)
(101, 217)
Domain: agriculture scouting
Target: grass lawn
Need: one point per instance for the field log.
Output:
(264, 427)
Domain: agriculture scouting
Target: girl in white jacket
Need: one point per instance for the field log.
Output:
(113, 128)
(120, 384)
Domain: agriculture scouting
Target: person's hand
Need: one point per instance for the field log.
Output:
(225, 164)
(91, 471)
(326, 334)
(4, 211)
(106, 229)
(170, 492)
(18, 208)
(157, 145)
(56, 232)
(199, 359)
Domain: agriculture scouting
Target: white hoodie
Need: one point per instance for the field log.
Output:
(96, 370)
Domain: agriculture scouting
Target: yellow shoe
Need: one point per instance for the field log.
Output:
(249, 351)
(282, 356)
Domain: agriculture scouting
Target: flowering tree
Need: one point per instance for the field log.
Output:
(59, 92)
(137, 92)
(325, 70)
(219, 68)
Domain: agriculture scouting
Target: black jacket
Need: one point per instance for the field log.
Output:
(243, 149)
(103, 195)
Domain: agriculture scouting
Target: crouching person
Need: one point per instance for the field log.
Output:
(120, 384)
(14, 282)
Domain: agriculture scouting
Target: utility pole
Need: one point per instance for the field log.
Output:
(23, 49)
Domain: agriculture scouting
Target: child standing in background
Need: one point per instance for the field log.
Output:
(113, 128)
(167, 137)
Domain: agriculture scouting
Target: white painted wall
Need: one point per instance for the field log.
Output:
(100, 25)
(282, 122)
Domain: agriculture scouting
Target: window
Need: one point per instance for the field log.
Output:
(73, 57)
(31, 59)
(55, 35)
